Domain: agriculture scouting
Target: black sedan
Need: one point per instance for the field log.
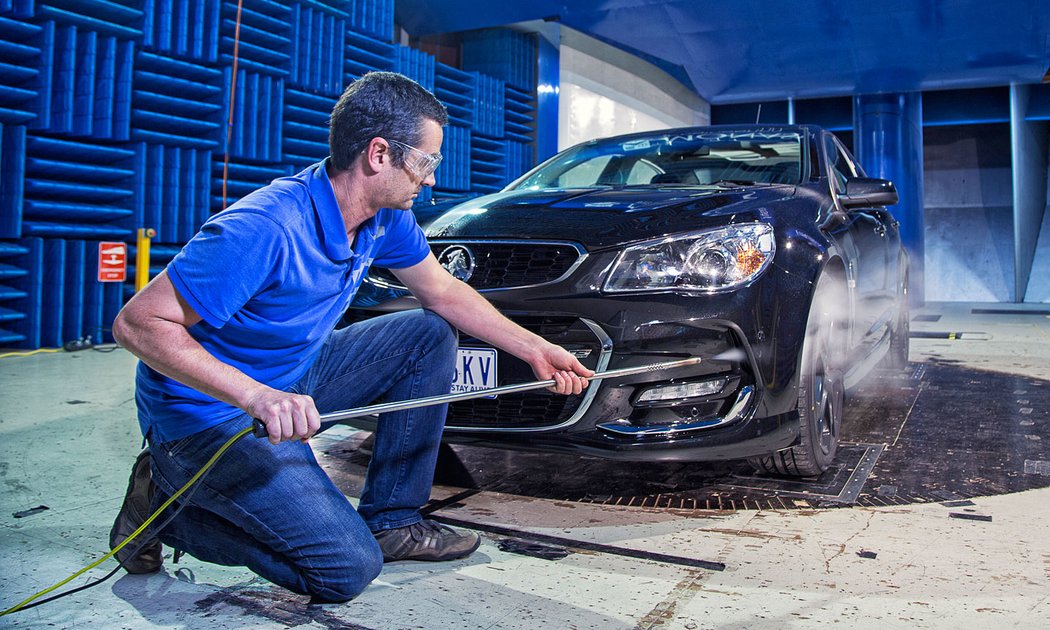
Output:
(763, 250)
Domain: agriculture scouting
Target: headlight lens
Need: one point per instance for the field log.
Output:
(711, 260)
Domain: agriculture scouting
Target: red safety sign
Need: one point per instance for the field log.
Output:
(112, 262)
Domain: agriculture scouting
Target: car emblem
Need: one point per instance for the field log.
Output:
(458, 261)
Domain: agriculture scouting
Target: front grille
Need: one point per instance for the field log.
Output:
(504, 265)
(537, 408)
(547, 327)
(528, 409)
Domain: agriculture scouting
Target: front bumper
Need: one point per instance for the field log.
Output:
(608, 420)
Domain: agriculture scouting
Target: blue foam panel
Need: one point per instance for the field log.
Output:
(174, 190)
(242, 179)
(26, 297)
(305, 135)
(99, 16)
(256, 116)
(84, 83)
(12, 271)
(518, 116)
(177, 102)
(182, 28)
(488, 161)
(416, 65)
(489, 106)
(53, 292)
(373, 17)
(503, 54)
(364, 54)
(17, 8)
(456, 89)
(453, 175)
(12, 179)
(77, 189)
(92, 321)
(19, 84)
(318, 33)
(73, 313)
(519, 159)
(265, 36)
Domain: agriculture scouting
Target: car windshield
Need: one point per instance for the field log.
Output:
(675, 158)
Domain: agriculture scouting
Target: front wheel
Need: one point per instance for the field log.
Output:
(897, 357)
(821, 393)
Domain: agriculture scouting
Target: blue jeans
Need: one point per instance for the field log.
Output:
(272, 509)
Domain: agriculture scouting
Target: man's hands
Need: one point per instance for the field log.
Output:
(287, 416)
(555, 362)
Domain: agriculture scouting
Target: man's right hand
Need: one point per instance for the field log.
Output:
(286, 416)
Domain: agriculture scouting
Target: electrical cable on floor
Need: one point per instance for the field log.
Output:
(105, 577)
(193, 480)
(30, 352)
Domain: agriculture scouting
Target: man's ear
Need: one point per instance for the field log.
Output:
(377, 154)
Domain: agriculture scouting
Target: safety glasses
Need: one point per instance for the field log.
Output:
(421, 164)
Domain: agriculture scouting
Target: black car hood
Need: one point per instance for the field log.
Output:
(604, 217)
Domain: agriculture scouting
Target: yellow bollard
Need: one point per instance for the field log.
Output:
(142, 257)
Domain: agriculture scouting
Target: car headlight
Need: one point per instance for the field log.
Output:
(710, 260)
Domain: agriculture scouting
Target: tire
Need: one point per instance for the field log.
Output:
(897, 357)
(821, 394)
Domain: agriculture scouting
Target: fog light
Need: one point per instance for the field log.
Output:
(679, 391)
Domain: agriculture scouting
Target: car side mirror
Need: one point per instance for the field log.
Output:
(868, 191)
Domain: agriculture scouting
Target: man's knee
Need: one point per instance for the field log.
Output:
(442, 338)
(348, 578)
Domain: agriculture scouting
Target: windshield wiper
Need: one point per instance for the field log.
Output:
(733, 182)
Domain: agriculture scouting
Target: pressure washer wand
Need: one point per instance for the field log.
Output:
(259, 429)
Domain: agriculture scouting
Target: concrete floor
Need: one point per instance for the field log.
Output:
(68, 438)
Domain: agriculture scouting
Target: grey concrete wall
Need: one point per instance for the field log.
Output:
(1039, 281)
(968, 213)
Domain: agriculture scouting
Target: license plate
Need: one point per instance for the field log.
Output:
(475, 369)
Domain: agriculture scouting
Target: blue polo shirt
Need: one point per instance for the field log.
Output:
(270, 277)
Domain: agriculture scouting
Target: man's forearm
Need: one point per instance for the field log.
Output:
(468, 311)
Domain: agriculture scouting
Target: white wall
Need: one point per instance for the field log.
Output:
(605, 91)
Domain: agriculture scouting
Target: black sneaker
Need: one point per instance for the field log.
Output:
(133, 514)
(426, 540)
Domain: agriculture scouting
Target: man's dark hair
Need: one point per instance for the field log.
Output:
(385, 105)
